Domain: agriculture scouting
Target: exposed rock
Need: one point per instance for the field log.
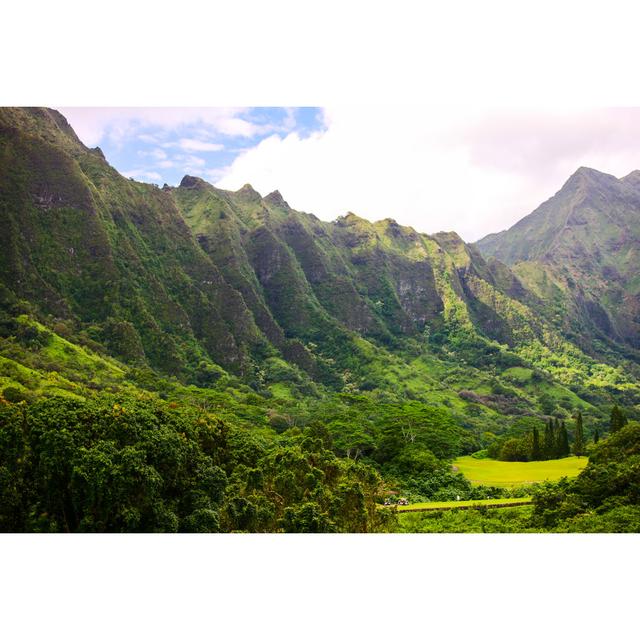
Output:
(192, 182)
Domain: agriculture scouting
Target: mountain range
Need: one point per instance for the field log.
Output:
(194, 282)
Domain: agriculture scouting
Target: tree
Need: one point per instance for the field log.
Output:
(306, 518)
(536, 454)
(515, 450)
(547, 404)
(549, 445)
(618, 419)
(417, 460)
(350, 439)
(596, 437)
(563, 441)
(578, 439)
(14, 394)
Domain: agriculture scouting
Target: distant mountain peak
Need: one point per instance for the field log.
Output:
(632, 179)
(588, 171)
(586, 176)
(449, 236)
(352, 218)
(43, 122)
(192, 182)
(584, 239)
(247, 192)
(275, 198)
(589, 198)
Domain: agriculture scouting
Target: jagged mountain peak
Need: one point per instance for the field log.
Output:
(48, 124)
(275, 198)
(585, 177)
(99, 152)
(247, 192)
(449, 236)
(351, 219)
(585, 240)
(632, 179)
(588, 199)
(192, 182)
(591, 173)
(391, 225)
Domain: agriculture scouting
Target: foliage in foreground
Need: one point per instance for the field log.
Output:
(511, 520)
(605, 496)
(127, 465)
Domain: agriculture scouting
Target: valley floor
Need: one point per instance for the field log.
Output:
(496, 473)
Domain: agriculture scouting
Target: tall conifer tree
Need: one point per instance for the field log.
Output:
(549, 444)
(618, 419)
(563, 441)
(535, 445)
(578, 439)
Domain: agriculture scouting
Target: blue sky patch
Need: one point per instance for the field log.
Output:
(163, 145)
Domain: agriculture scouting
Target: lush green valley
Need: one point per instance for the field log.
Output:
(193, 359)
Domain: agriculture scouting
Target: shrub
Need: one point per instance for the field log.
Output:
(13, 394)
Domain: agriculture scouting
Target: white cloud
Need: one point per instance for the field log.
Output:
(189, 144)
(191, 160)
(474, 172)
(144, 137)
(93, 124)
(142, 173)
(157, 154)
(213, 175)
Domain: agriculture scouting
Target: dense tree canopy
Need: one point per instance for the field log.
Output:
(121, 464)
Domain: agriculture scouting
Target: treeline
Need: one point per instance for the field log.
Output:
(549, 442)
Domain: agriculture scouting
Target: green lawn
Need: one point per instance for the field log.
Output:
(460, 504)
(495, 473)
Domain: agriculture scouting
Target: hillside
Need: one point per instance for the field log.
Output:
(192, 278)
(579, 251)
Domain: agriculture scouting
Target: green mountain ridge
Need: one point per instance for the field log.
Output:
(580, 250)
(192, 278)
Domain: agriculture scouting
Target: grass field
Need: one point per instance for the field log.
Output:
(495, 473)
(463, 504)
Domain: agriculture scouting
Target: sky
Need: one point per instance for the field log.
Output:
(474, 171)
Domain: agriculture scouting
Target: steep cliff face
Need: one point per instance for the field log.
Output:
(376, 279)
(86, 244)
(328, 283)
(581, 250)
